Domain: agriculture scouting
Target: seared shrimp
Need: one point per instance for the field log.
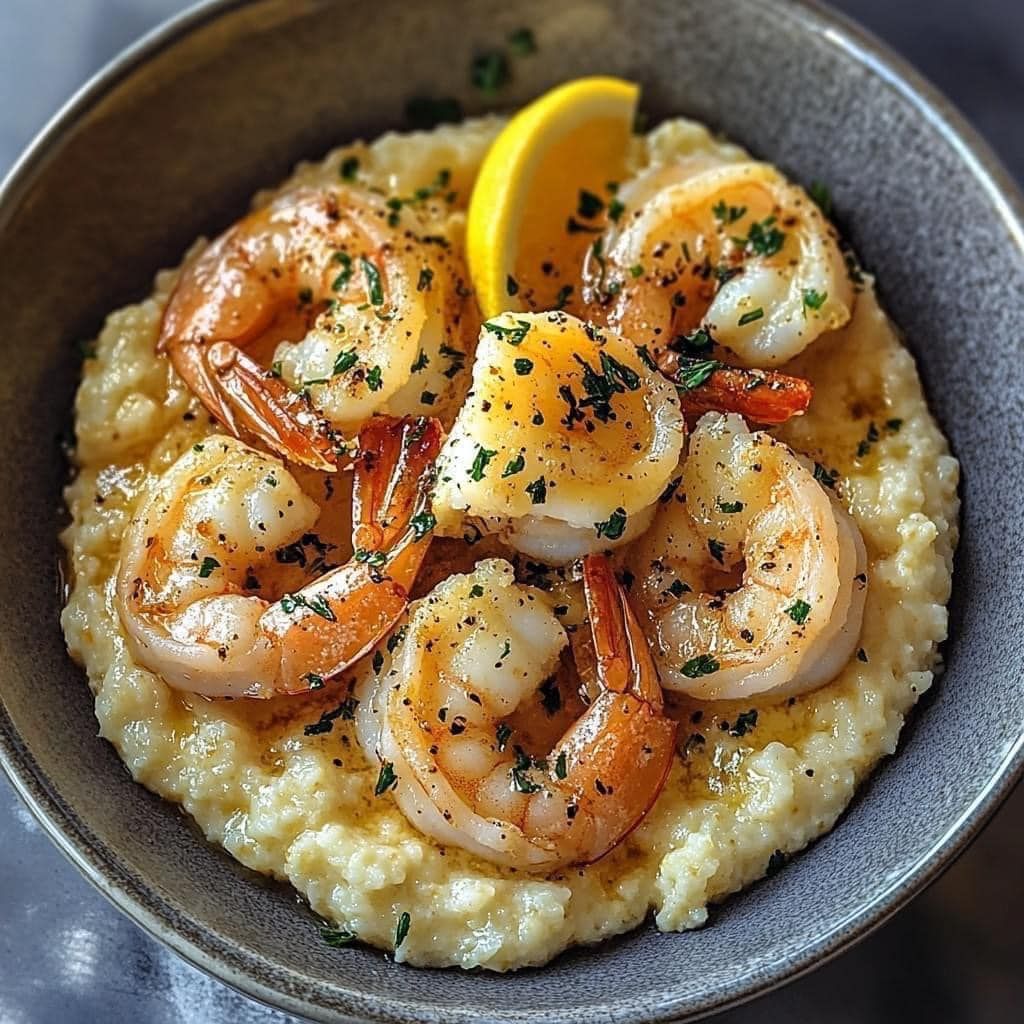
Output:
(733, 248)
(753, 577)
(378, 312)
(184, 585)
(565, 441)
(437, 718)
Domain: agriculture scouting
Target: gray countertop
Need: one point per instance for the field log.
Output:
(953, 955)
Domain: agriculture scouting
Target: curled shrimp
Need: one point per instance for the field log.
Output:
(567, 438)
(372, 304)
(212, 523)
(734, 249)
(753, 577)
(438, 718)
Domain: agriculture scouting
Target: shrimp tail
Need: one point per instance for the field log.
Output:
(760, 396)
(252, 403)
(386, 504)
(345, 613)
(625, 745)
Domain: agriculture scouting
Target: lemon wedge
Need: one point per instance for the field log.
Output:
(543, 194)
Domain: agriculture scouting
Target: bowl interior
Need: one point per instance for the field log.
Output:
(176, 143)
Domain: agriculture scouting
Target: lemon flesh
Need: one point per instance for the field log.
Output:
(532, 214)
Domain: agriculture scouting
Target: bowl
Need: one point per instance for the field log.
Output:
(172, 139)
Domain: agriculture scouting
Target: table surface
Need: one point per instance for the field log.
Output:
(952, 955)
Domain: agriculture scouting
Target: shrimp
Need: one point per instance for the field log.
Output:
(566, 440)
(438, 718)
(216, 517)
(734, 250)
(372, 303)
(753, 577)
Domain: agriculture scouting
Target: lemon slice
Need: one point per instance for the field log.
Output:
(542, 195)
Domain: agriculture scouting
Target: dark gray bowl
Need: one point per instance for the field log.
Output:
(173, 138)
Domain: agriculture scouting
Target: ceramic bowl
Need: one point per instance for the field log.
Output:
(173, 138)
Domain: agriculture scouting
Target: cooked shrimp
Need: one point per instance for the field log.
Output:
(565, 441)
(734, 248)
(474, 650)
(376, 308)
(219, 514)
(753, 577)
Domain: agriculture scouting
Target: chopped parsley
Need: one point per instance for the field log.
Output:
(614, 526)
(502, 735)
(814, 299)
(551, 696)
(345, 274)
(344, 362)
(764, 238)
(337, 938)
(209, 564)
(826, 477)
(483, 456)
(561, 768)
(798, 611)
(489, 72)
(696, 344)
(616, 208)
(516, 465)
(695, 373)
(822, 197)
(538, 491)
(522, 42)
(316, 682)
(346, 711)
(563, 296)
(387, 779)
(745, 721)
(476, 590)
(374, 289)
(702, 665)
(749, 318)
(426, 276)
(589, 205)
(375, 559)
(521, 783)
(637, 270)
(511, 285)
(349, 168)
(523, 366)
(403, 928)
(729, 507)
(717, 549)
(291, 602)
(513, 335)
(422, 523)
(727, 214)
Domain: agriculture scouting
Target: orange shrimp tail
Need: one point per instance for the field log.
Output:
(344, 614)
(629, 743)
(393, 479)
(255, 405)
(761, 396)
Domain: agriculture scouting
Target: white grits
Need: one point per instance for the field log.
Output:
(302, 808)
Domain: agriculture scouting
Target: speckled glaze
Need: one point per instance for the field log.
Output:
(172, 140)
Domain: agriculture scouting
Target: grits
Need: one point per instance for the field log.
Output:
(740, 797)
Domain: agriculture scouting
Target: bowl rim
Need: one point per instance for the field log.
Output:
(199, 946)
